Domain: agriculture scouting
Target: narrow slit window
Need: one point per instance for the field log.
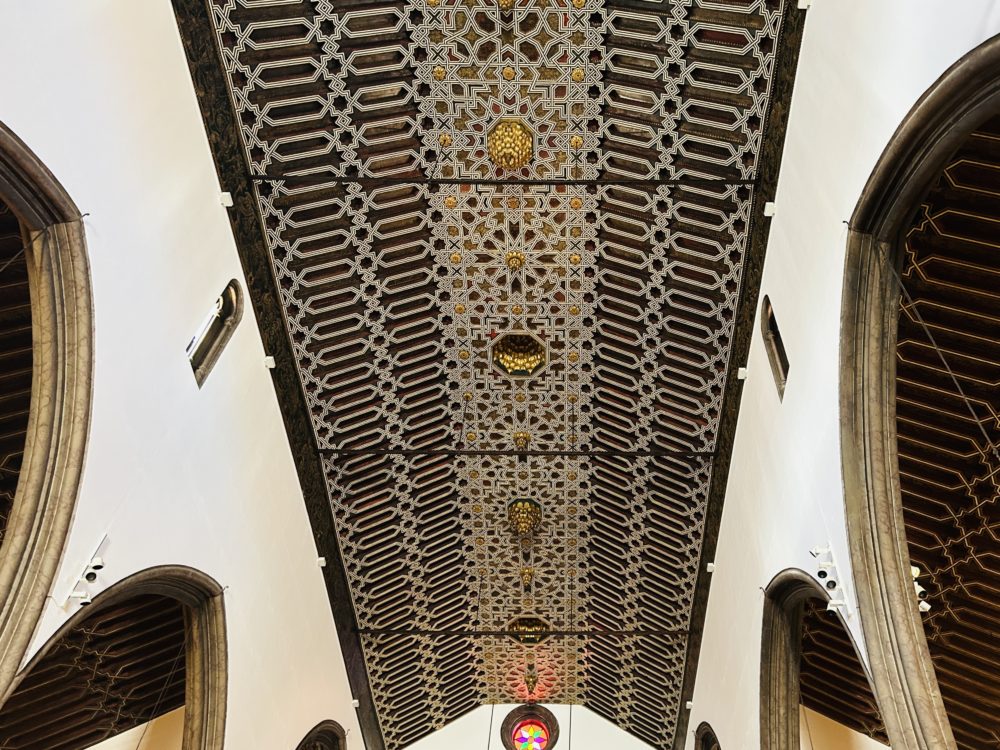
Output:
(775, 346)
(216, 329)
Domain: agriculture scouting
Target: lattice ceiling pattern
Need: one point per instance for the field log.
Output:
(571, 173)
(948, 459)
(15, 358)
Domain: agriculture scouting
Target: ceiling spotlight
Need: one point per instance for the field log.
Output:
(90, 574)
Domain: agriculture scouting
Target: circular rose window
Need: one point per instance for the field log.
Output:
(531, 734)
(529, 727)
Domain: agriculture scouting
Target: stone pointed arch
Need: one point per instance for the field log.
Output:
(204, 647)
(327, 735)
(705, 738)
(900, 661)
(59, 418)
(787, 599)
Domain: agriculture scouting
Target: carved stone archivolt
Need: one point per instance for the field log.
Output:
(809, 658)
(59, 416)
(885, 540)
(327, 735)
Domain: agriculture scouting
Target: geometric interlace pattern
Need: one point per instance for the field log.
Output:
(404, 254)
(948, 429)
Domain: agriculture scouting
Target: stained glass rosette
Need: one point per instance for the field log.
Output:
(531, 735)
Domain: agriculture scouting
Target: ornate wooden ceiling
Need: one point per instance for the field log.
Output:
(15, 358)
(832, 680)
(116, 670)
(948, 429)
(516, 250)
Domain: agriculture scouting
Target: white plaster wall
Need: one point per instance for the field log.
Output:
(864, 63)
(100, 90)
(821, 733)
(163, 733)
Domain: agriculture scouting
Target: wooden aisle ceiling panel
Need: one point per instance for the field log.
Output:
(116, 670)
(15, 359)
(948, 458)
(510, 240)
(832, 680)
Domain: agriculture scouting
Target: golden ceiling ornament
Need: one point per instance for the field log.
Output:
(509, 73)
(519, 354)
(521, 440)
(573, 356)
(450, 202)
(579, 3)
(531, 678)
(505, 5)
(438, 73)
(520, 398)
(575, 203)
(515, 260)
(472, 437)
(574, 310)
(527, 576)
(575, 259)
(456, 258)
(529, 630)
(576, 141)
(459, 308)
(578, 74)
(464, 354)
(433, 3)
(517, 309)
(525, 516)
(444, 139)
(513, 203)
(510, 144)
(467, 396)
